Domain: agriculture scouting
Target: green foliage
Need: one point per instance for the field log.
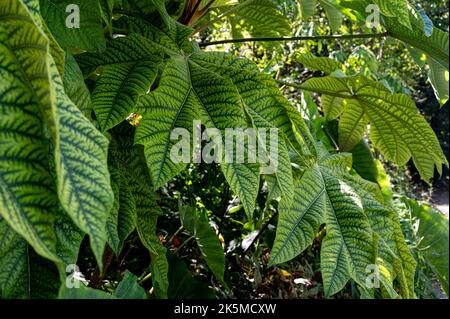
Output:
(432, 234)
(87, 117)
(397, 128)
(196, 222)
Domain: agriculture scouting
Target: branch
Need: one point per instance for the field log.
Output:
(302, 38)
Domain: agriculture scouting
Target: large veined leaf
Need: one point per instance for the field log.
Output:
(27, 200)
(83, 179)
(129, 67)
(364, 161)
(264, 105)
(122, 220)
(324, 198)
(351, 210)
(189, 92)
(197, 223)
(76, 24)
(434, 46)
(396, 127)
(170, 106)
(393, 258)
(299, 221)
(397, 9)
(24, 274)
(80, 166)
(324, 64)
(147, 213)
(162, 41)
(75, 87)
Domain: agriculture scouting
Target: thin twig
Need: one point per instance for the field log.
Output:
(300, 38)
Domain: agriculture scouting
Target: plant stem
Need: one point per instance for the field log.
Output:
(176, 233)
(140, 281)
(300, 38)
(183, 244)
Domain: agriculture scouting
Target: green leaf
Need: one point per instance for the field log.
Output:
(324, 64)
(361, 231)
(140, 26)
(197, 223)
(129, 288)
(88, 35)
(24, 274)
(414, 33)
(397, 128)
(27, 200)
(122, 220)
(263, 18)
(334, 15)
(82, 292)
(171, 106)
(352, 125)
(299, 221)
(83, 180)
(364, 161)
(439, 78)
(148, 211)
(124, 78)
(188, 92)
(263, 103)
(75, 87)
(433, 232)
(129, 67)
(307, 8)
(106, 7)
(182, 284)
(397, 9)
